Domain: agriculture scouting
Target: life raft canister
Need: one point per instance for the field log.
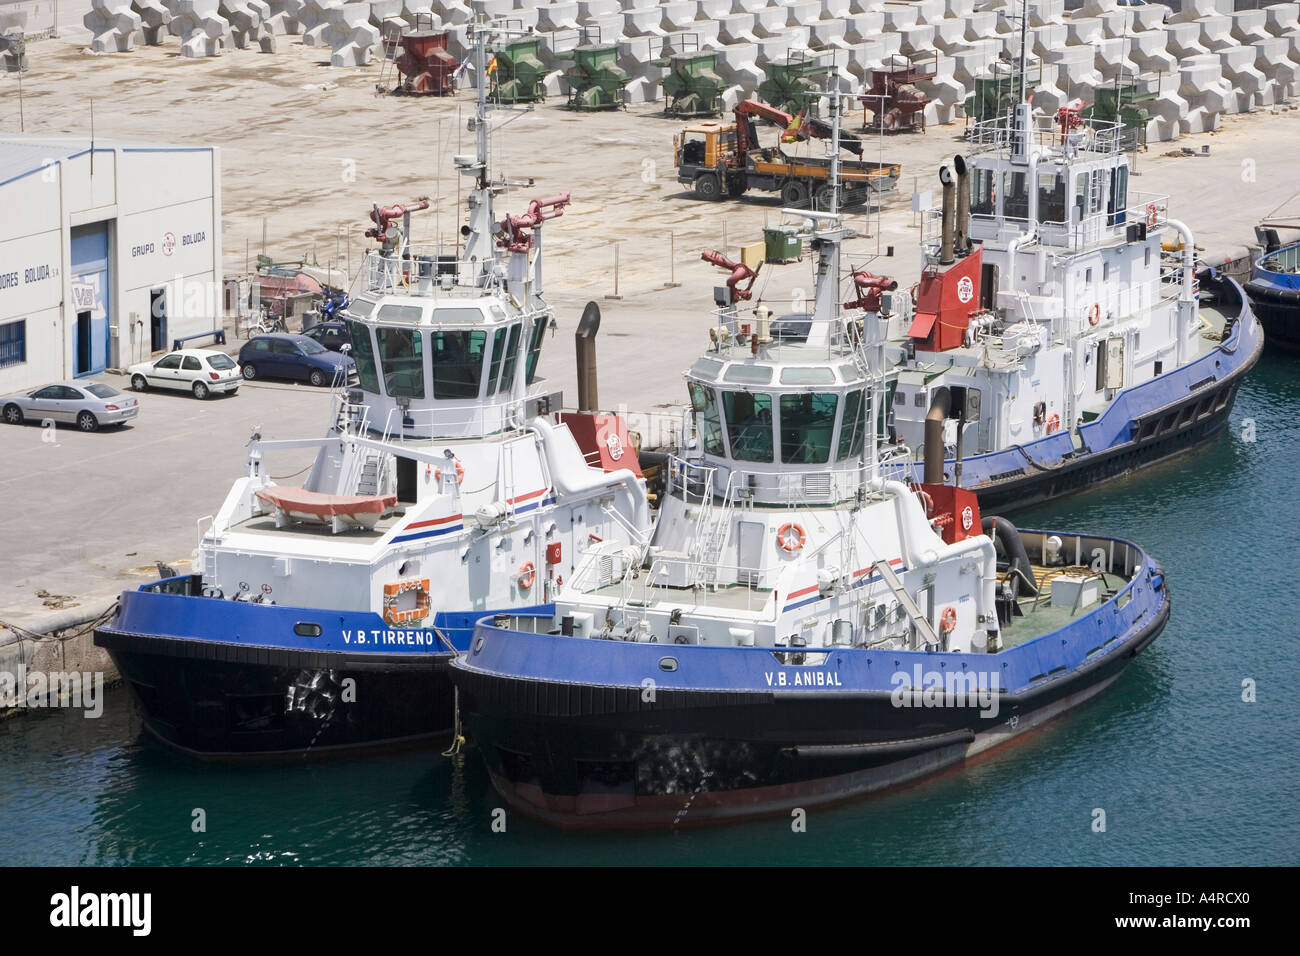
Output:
(790, 537)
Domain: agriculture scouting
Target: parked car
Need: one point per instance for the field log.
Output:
(198, 371)
(333, 335)
(286, 355)
(88, 405)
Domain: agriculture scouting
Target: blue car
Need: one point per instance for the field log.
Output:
(285, 355)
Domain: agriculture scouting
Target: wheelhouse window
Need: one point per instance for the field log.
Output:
(705, 403)
(853, 427)
(983, 194)
(401, 354)
(534, 349)
(1051, 197)
(749, 424)
(505, 356)
(363, 354)
(13, 343)
(1118, 196)
(1015, 195)
(807, 424)
(457, 357)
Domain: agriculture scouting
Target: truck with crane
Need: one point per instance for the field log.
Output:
(725, 160)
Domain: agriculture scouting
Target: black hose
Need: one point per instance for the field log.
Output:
(1007, 540)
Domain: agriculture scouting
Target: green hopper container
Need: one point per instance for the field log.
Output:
(692, 86)
(596, 81)
(519, 73)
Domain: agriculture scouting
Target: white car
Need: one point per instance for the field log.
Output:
(199, 371)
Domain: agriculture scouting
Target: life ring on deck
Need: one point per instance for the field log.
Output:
(1053, 422)
(460, 473)
(410, 615)
(948, 622)
(527, 575)
(790, 537)
(1094, 314)
(1151, 215)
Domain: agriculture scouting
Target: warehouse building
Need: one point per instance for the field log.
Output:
(108, 254)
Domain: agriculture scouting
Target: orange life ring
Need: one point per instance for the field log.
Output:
(460, 473)
(1053, 422)
(410, 615)
(527, 575)
(948, 622)
(1151, 215)
(1094, 314)
(790, 537)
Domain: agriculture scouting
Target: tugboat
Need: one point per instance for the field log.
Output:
(1059, 335)
(803, 627)
(320, 617)
(1274, 290)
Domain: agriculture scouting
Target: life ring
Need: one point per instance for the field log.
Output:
(948, 622)
(410, 615)
(527, 575)
(1053, 422)
(460, 473)
(790, 537)
(1151, 215)
(1094, 314)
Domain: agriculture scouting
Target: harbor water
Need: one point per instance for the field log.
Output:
(1185, 770)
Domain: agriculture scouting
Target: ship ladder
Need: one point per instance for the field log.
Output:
(919, 620)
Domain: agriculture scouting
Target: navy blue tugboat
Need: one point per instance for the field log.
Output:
(321, 617)
(804, 626)
(1274, 290)
(1059, 330)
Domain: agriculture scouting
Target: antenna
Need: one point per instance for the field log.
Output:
(1024, 31)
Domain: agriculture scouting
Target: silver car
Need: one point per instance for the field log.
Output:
(88, 405)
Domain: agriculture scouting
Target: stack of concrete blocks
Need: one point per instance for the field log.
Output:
(13, 46)
(313, 18)
(640, 48)
(283, 20)
(155, 18)
(351, 37)
(201, 27)
(248, 21)
(113, 25)
(1207, 93)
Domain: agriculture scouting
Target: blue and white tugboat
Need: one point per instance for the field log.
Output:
(321, 616)
(802, 628)
(1274, 290)
(1059, 335)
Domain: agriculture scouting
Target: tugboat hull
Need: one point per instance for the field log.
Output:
(747, 736)
(226, 680)
(1278, 310)
(1154, 422)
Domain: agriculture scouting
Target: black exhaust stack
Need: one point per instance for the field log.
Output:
(585, 341)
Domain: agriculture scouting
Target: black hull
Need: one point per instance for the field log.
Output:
(587, 757)
(1279, 315)
(1162, 435)
(226, 702)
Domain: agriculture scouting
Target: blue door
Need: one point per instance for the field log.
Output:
(91, 298)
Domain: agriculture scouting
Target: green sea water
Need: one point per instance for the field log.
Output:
(1184, 769)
